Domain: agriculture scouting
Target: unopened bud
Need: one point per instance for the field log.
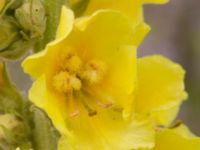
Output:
(31, 16)
(8, 32)
(8, 121)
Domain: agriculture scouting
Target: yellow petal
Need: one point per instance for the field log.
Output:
(166, 116)
(102, 34)
(48, 101)
(179, 138)
(106, 131)
(36, 64)
(140, 31)
(63, 143)
(2, 3)
(66, 23)
(155, 1)
(130, 8)
(160, 87)
(119, 84)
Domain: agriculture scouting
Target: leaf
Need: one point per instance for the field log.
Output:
(45, 137)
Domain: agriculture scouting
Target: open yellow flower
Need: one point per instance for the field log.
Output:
(85, 81)
(160, 90)
(176, 138)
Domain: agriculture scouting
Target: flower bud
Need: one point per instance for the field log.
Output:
(31, 16)
(8, 32)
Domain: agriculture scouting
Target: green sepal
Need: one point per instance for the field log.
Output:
(44, 134)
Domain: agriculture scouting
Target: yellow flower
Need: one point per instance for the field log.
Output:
(85, 81)
(160, 90)
(176, 138)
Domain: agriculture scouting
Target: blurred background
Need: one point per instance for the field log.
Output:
(176, 34)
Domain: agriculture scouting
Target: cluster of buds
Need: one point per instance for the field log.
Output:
(22, 23)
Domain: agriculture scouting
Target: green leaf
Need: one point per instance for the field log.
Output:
(44, 135)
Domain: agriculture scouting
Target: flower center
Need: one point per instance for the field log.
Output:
(73, 78)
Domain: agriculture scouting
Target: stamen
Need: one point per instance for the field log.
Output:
(71, 62)
(94, 71)
(93, 95)
(74, 114)
(65, 83)
(61, 82)
(104, 105)
(75, 83)
(83, 100)
(73, 106)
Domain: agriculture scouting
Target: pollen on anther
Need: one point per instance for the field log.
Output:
(64, 82)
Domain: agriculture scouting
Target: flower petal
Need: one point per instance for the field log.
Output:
(36, 64)
(177, 138)
(166, 116)
(66, 23)
(155, 1)
(2, 3)
(130, 8)
(47, 101)
(111, 28)
(120, 82)
(109, 131)
(160, 87)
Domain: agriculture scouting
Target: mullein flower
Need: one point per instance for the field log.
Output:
(164, 95)
(176, 138)
(85, 81)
